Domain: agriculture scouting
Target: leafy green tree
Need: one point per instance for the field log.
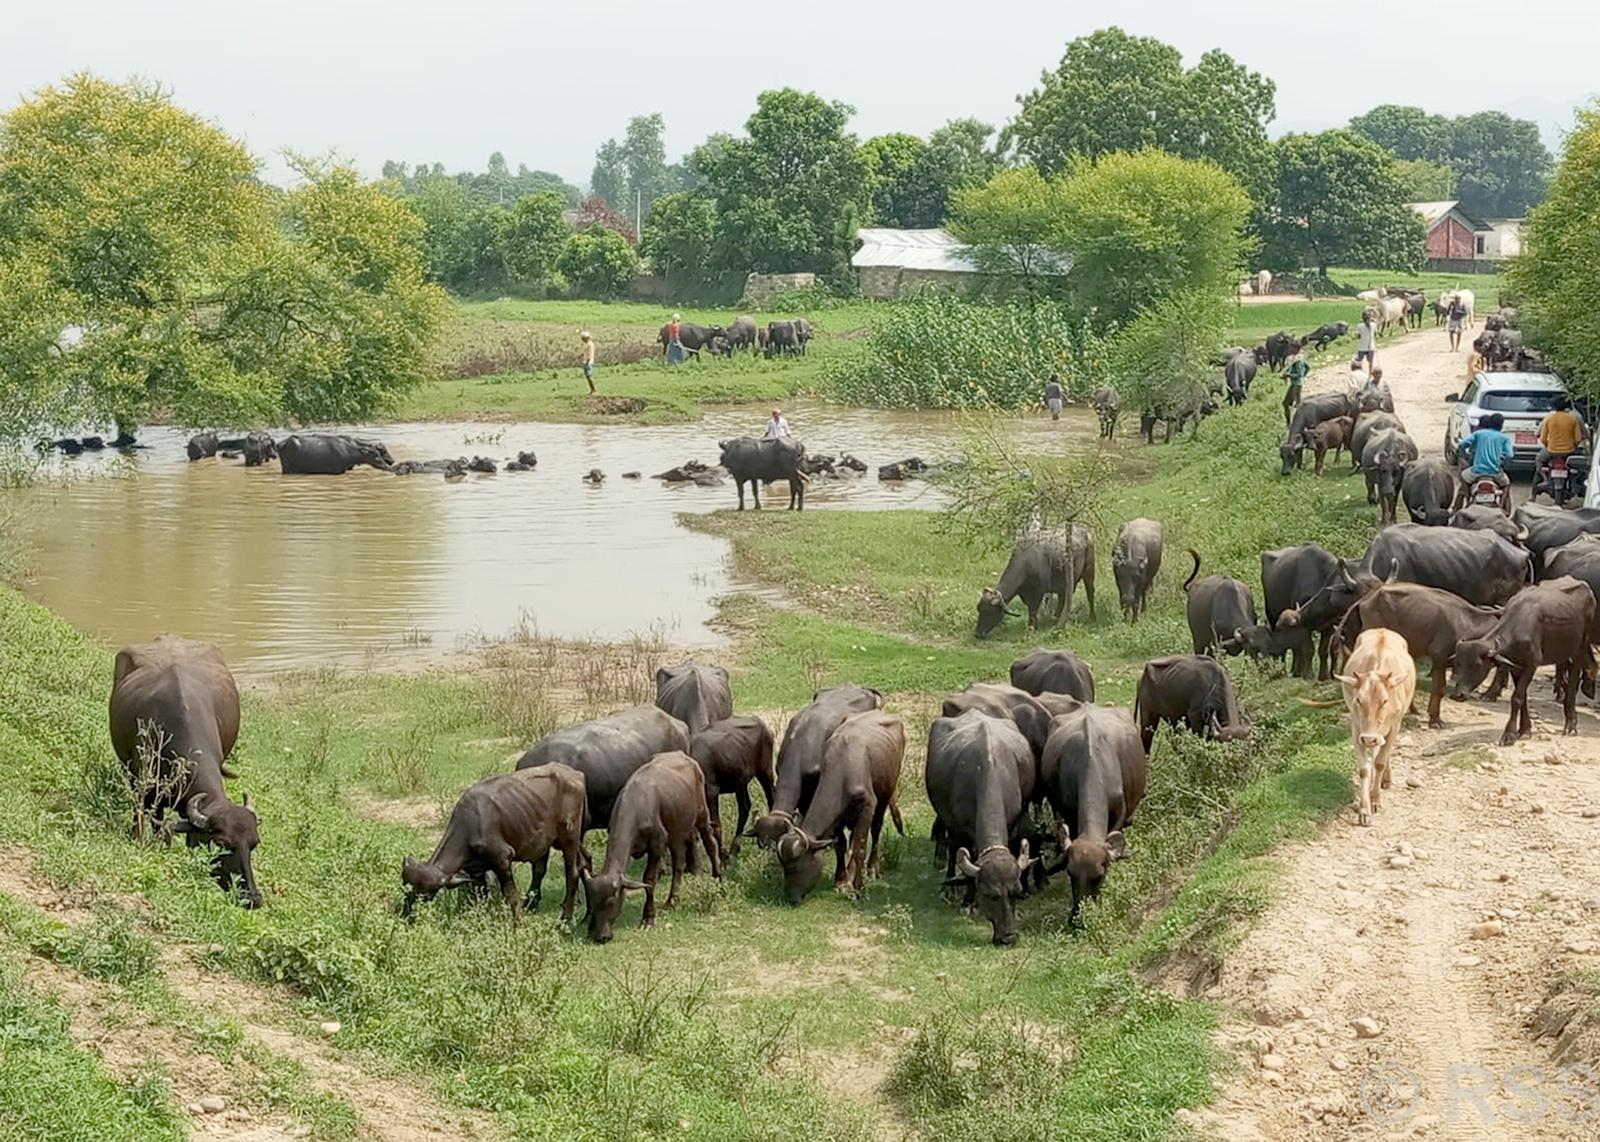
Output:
(610, 177)
(679, 236)
(534, 236)
(1162, 358)
(1424, 181)
(646, 153)
(896, 173)
(959, 156)
(1409, 133)
(1555, 276)
(1116, 92)
(1143, 227)
(482, 264)
(1341, 202)
(1011, 224)
(599, 262)
(791, 191)
(444, 207)
(1504, 165)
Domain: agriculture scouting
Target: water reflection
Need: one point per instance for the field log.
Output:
(295, 571)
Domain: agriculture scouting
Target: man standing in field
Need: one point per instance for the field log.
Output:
(675, 340)
(1298, 368)
(1054, 394)
(588, 359)
(1367, 343)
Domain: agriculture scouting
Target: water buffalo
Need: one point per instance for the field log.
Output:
(742, 333)
(1279, 348)
(202, 446)
(1546, 625)
(980, 777)
(1135, 560)
(1431, 621)
(1094, 775)
(860, 772)
(660, 812)
(997, 700)
(1238, 374)
(329, 454)
(1039, 567)
(802, 334)
(608, 751)
(1309, 413)
(1578, 560)
(1368, 424)
(1428, 489)
(1481, 517)
(691, 336)
(754, 462)
(732, 753)
(1306, 588)
(258, 448)
(1384, 461)
(1107, 409)
(800, 755)
(174, 721)
(1324, 335)
(1219, 609)
(1053, 672)
(694, 694)
(1556, 529)
(504, 818)
(1192, 689)
(783, 338)
(1477, 565)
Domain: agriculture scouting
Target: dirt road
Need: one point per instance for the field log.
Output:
(1388, 991)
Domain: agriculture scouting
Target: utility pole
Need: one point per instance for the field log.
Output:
(638, 214)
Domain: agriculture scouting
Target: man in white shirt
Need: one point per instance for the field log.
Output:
(1367, 345)
(777, 427)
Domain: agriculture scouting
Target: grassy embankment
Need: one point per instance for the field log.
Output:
(737, 1017)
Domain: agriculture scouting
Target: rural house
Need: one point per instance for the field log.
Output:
(1502, 239)
(889, 262)
(1452, 232)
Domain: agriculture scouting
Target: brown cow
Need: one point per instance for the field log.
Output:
(1330, 436)
(860, 771)
(1193, 689)
(1379, 682)
(732, 753)
(1545, 625)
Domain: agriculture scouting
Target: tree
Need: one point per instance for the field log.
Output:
(610, 177)
(184, 290)
(790, 192)
(534, 237)
(1163, 358)
(1116, 92)
(599, 262)
(1011, 224)
(1424, 181)
(1408, 133)
(679, 235)
(1503, 164)
(1555, 276)
(1341, 202)
(646, 156)
(595, 210)
(1143, 227)
(896, 174)
(959, 155)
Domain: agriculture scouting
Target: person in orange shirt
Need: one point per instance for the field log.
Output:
(1560, 433)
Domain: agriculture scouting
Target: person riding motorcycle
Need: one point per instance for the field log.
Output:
(1560, 434)
(1488, 449)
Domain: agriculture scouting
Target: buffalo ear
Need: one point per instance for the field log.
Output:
(821, 843)
(964, 864)
(1117, 845)
(1063, 835)
(249, 807)
(662, 674)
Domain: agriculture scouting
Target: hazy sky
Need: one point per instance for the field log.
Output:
(546, 83)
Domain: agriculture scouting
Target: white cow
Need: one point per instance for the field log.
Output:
(1467, 298)
(1372, 294)
(1264, 281)
(1390, 311)
(1379, 682)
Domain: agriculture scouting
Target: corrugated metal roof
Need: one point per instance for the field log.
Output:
(936, 249)
(1434, 212)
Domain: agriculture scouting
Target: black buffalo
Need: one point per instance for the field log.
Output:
(1428, 489)
(330, 454)
(754, 462)
(1094, 774)
(608, 751)
(1053, 672)
(1384, 460)
(800, 755)
(1477, 565)
(1238, 374)
(1324, 335)
(1306, 589)
(694, 694)
(1038, 568)
(1192, 689)
(1309, 413)
(1135, 561)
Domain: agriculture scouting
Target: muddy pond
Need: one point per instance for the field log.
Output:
(373, 569)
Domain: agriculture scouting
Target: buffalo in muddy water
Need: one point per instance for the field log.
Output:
(330, 454)
(755, 462)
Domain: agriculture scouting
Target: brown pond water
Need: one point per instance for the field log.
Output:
(293, 571)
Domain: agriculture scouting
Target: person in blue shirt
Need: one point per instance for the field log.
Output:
(1489, 448)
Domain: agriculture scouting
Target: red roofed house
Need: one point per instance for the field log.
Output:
(1452, 233)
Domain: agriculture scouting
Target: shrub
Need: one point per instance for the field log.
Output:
(599, 262)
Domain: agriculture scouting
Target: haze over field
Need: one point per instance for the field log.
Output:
(410, 81)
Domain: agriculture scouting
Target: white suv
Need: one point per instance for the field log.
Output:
(1524, 399)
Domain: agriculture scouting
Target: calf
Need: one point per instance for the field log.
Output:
(1039, 567)
(1379, 682)
(1329, 436)
(1430, 621)
(661, 811)
(508, 817)
(608, 751)
(1135, 560)
(174, 721)
(1094, 775)
(694, 694)
(1545, 625)
(800, 755)
(1309, 413)
(1053, 672)
(860, 771)
(980, 777)
(732, 753)
(1192, 689)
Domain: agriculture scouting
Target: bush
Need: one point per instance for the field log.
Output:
(935, 350)
(599, 262)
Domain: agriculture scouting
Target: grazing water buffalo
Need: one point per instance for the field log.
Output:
(980, 778)
(1309, 413)
(1477, 565)
(1053, 672)
(691, 336)
(1329, 436)
(1433, 623)
(755, 462)
(174, 720)
(800, 756)
(661, 811)
(1238, 374)
(1039, 567)
(608, 751)
(1135, 560)
(1306, 588)
(1384, 461)
(1107, 409)
(1220, 610)
(508, 817)
(329, 454)
(1428, 489)
(998, 700)
(732, 753)
(694, 694)
(1094, 774)
(860, 772)
(1324, 335)
(1481, 517)
(1192, 689)
(1546, 625)
(742, 333)
(1379, 682)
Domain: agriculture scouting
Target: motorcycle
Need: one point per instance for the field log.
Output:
(1558, 480)
(1563, 478)
(1485, 492)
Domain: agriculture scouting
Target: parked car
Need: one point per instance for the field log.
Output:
(1524, 399)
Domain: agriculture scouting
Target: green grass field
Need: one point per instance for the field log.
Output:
(1486, 287)
(738, 1017)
